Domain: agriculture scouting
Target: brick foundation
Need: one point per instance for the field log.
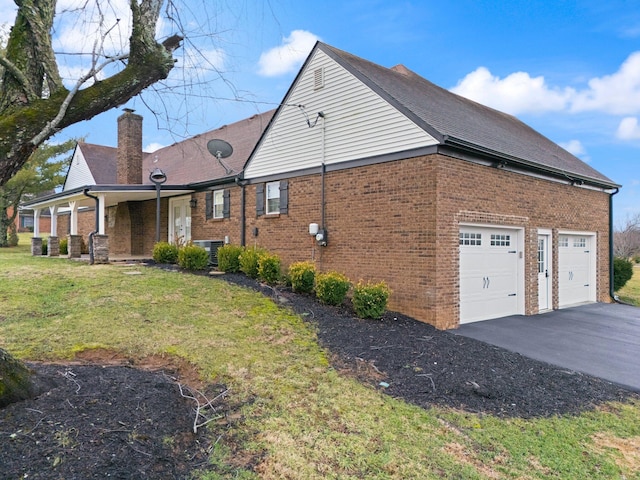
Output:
(36, 246)
(53, 247)
(74, 246)
(100, 249)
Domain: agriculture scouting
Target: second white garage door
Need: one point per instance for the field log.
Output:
(576, 269)
(490, 273)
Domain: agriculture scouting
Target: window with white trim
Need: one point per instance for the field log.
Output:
(473, 239)
(498, 240)
(563, 241)
(218, 204)
(273, 197)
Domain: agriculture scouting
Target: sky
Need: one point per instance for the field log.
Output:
(568, 68)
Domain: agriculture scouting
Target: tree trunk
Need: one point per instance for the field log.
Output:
(15, 380)
(4, 222)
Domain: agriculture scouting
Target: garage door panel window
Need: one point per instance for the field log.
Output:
(471, 239)
(563, 242)
(500, 240)
(580, 242)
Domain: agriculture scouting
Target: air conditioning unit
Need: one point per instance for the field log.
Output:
(210, 246)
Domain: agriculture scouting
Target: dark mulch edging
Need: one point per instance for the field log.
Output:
(426, 367)
(101, 422)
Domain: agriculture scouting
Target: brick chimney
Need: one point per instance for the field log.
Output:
(129, 155)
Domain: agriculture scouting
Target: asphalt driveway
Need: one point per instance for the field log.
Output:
(599, 339)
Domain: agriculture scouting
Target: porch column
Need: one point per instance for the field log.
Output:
(74, 246)
(36, 222)
(54, 220)
(36, 246)
(100, 248)
(53, 248)
(36, 241)
(73, 221)
(102, 211)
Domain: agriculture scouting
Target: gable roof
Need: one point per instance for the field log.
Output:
(190, 162)
(101, 161)
(464, 124)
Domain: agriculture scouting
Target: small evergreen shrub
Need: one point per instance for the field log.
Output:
(302, 276)
(163, 252)
(370, 299)
(249, 261)
(193, 257)
(64, 246)
(332, 287)
(622, 272)
(45, 246)
(13, 236)
(229, 258)
(269, 268)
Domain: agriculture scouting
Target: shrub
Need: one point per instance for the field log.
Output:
(64, 246)
(164, 252)
(332, 287)
(269, 268)
(13, 236)
(45, 246)
(622, 272)
(302, 276)
(370, 299)
(229, 258)
(249, 261)
(193, 257)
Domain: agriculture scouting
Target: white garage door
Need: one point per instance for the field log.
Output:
(489, 273)
(576, 279)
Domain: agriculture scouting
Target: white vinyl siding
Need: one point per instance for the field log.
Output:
(358, 124)
(79, 174)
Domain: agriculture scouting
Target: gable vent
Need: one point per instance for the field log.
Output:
(318, 78)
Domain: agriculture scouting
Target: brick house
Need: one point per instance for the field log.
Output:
(466, 212)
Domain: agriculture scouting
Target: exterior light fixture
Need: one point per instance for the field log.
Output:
(158, 177)
(193, 203)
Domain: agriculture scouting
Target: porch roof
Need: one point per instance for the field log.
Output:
(112, 194)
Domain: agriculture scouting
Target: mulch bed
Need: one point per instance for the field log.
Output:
(98, 418)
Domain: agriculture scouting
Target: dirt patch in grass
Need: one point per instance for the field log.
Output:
(103, 415)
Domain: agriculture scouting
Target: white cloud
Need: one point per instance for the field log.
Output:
(289, 56)
(574, 147)
(516, 93)
(615, 94)
(152, 147)
(628, 129)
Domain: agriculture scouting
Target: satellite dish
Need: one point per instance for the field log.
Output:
(219, 148)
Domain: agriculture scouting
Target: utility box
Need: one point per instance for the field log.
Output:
(210, 246)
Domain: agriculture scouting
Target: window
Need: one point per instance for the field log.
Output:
(218, 203)
(563, 242)
(541, 254)
(580, 242)
(273, 197)
(500, 240)
(474, 239)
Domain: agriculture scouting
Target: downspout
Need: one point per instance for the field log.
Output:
(91, 252)
(243, 221)
(324, 168)
(611, 290)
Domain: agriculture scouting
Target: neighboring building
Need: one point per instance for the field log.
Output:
(466, 212)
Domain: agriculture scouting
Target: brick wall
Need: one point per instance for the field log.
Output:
(217, 228)
(399, 221)
(131, 227)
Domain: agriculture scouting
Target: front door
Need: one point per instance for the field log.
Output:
(544, 274)
(179, 220)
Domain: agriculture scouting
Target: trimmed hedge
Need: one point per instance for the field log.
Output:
(370, 299)
(229, 258)
(249, 261)
(622, 272)
(302, 276)
(193, 257)
(332, 287)
(269, 268)
(163, 252)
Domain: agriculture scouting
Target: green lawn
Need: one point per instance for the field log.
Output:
(304, 420)
(630, 293)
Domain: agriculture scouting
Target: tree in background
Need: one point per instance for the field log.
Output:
(44, 172)
(626, 238)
